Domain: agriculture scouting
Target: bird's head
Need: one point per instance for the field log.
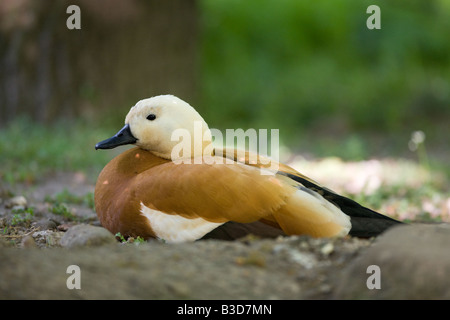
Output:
(159, 124)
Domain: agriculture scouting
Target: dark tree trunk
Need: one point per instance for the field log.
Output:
(125, 51)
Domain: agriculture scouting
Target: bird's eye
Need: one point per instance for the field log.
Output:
(151, 117)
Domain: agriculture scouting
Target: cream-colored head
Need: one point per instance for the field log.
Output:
(157, 122)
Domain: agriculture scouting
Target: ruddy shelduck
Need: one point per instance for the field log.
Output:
(153, 192)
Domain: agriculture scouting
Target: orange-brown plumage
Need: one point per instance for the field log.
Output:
(214, 192)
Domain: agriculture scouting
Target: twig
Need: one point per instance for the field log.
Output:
(34, 229)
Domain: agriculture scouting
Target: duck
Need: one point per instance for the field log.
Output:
(159, 190)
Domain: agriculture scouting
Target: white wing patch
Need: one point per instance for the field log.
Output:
(324, 211)
(174, 228)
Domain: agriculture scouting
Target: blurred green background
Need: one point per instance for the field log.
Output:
(314, 70)
(310, 68)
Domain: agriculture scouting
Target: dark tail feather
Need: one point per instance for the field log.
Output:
(369, 227)
(366, 223)
(234, 230)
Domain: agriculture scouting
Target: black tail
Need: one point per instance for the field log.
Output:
(234, 230)
(366, 223)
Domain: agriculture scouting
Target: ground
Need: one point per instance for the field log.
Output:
(50, 224)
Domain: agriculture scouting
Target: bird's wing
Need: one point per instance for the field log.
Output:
(217, 192)
(365, 222)
(231, 191)
(306, 211)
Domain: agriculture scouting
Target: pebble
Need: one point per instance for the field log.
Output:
(47, 238)
(327, 249)
(16, 202)
(45, 224)
(28, 242)
(179, 289)
(86, 235)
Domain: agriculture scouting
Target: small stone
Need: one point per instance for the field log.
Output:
(179, 289)
(325, 288)
(28, 242)
(86, 235)
(327, 249)
(64, 227)
(45, 224)
(18, 201)
(47, 238)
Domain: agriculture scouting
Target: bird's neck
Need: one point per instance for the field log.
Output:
(187, 145)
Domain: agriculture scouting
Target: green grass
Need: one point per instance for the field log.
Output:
(28, 150)
(22, 216)
(66, 196)
(61, 209)
(60, 203)
(122, 239)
